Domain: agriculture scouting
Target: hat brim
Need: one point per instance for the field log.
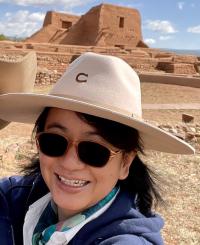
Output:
(26, 108)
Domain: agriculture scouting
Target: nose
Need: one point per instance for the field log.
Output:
(70, 160)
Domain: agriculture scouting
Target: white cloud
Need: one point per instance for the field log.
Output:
(36, 17)
(24, 23)
(180, 5)
(162, 26)
(194, 29)
(67, 4)
(21, 24)
(150, 41)
(165, 38)
(128, 5)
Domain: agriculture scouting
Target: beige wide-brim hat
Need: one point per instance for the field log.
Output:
(100, 85)
(17, 76)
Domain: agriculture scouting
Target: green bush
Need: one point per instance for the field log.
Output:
(2, 37)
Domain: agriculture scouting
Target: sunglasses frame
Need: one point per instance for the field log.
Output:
(76, 143)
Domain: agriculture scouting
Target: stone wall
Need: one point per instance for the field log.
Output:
(54, 62)
(182, 68)
(18, 73)
(148, 62)
(47, 77)
(141, 63)
(10, 58)
(190, 59)
(177, 68)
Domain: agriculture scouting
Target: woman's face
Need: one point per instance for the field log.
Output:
(61, 173)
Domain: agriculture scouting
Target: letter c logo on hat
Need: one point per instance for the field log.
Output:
(82, 77)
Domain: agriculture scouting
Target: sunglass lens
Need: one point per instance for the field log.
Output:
(93, 153)
(52, 145)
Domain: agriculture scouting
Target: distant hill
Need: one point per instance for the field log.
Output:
(4, 38)
(185, 51)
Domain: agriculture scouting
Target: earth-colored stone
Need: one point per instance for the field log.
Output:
(187, 118)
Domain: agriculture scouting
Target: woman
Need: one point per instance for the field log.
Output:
(88, 184)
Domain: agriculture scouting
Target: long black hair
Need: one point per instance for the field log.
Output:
(141, 181)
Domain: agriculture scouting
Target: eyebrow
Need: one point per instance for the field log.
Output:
(63, 128)
(56, 125)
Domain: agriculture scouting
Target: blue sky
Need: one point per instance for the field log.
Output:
(165, 24)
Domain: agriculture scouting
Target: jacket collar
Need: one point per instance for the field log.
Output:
(38, 190)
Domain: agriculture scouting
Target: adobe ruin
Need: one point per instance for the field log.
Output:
(64, 37)
(103, 25)
(54, 25)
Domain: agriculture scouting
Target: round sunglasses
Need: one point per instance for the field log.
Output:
(89, 152)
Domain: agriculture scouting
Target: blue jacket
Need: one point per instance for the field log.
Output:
(121, 224)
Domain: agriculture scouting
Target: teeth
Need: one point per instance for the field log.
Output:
(75, 183)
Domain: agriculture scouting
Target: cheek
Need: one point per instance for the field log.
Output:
(111, 173)
(45, 161)
(46, 166)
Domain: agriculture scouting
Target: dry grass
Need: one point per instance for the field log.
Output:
(180, 178)
(179, 174)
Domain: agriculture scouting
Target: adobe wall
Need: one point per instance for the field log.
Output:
(181, 68)
(55, 24)
(53, 59)
(57, 19)
(102, 25)
(140, 63)
(123, 29)
(44, 35)
(85, 31)
(97, 28)
(177, 68)
(190, 59)
(190, 81)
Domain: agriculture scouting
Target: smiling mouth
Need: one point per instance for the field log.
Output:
(73, 182)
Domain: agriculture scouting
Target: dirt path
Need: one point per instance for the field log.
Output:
(180, 106)
(166, 94)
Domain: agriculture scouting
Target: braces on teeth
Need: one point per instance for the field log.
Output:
(72, 182)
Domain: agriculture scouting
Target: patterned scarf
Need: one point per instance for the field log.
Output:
(47, 223)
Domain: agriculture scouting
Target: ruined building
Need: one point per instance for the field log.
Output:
(103, 25)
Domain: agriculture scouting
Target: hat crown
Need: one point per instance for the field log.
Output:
(104, 81)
